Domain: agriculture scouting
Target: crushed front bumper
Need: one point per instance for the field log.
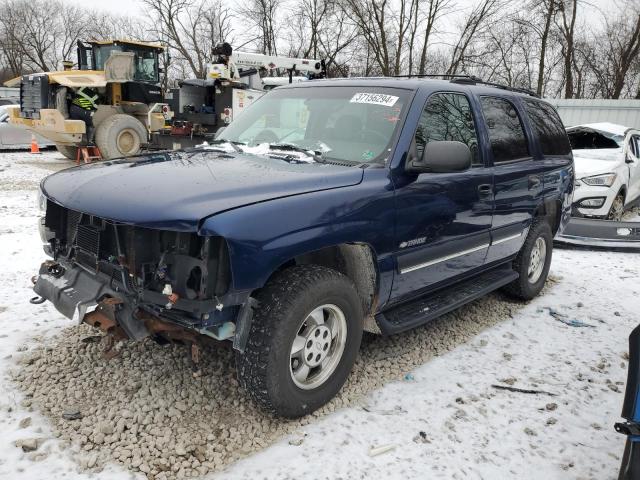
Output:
(82, 295)
(586, 232)
(75, 293)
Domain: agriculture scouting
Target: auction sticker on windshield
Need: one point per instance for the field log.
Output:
(375, 99)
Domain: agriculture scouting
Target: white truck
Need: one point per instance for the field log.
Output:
(234, 81)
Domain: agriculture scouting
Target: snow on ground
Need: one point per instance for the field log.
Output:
(428, 393)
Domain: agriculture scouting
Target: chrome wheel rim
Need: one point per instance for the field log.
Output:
(128, 141)
(318, 346)
(537, 260)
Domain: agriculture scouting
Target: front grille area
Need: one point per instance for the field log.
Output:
(88, 239)
(34, 95)
(73, 219)
(197, 267)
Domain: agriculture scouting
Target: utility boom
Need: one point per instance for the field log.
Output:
(232, 65)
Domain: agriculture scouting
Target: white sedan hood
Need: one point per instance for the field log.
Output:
(597, 161)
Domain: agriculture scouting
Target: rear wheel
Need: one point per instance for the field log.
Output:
(120, 135)
(69, 151)
(617, 208)
(533, 261)
(303, 342)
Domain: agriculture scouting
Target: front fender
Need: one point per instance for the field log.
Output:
(263, 236)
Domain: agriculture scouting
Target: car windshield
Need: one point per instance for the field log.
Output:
(592, 139)
(349, 124)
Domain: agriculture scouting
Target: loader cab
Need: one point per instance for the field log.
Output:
(92, 56)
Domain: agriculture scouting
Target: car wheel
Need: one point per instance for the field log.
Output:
(303, 342)
(617, 208)
(120, 135)
(69, 151)
(533, 261)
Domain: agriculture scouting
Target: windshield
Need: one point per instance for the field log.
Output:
(350, 124)
(591, 139)
(101, 53)
(145, 61)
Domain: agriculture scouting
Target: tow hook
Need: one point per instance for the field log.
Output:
(37, 300)
(628, 428)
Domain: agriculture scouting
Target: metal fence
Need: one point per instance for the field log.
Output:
(580, 111)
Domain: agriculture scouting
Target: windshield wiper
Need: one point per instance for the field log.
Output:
(234, 145)
(295, 148)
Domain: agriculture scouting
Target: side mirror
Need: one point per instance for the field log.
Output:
(628, 159)
(442, 157)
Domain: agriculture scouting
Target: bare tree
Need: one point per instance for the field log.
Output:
(435, 10)
(473, 28)
(191, 28)
(262, 15)
(568, 13)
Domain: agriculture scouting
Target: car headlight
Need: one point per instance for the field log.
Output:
(42, 201)
(605, 180)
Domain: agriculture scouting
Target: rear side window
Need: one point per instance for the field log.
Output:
(548, 127)
(506, 134)
(447, 116)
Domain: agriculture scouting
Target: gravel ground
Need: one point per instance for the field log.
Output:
(148, 411)
(74, 413)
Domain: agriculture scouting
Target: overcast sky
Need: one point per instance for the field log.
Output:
(133, 7)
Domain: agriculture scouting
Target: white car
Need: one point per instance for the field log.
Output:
(607, 162)
(13, 137)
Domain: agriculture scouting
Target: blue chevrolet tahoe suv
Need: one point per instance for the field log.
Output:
(325, 209)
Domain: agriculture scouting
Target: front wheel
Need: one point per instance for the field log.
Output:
(617, 208)
(304, 339)
(533, 261)
(120, 135)
(69, 151)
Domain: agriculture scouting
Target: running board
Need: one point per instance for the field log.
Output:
(431, 306)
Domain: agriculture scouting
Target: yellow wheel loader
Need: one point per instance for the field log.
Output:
(113, 100)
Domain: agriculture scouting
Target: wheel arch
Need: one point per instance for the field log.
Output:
(551, 210)
(357, 261)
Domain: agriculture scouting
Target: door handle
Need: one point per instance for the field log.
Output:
(534, 181)
(485, 190)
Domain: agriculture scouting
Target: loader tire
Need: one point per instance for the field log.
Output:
(69, 151)
(120, 135)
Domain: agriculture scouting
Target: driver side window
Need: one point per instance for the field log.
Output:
(448, 116)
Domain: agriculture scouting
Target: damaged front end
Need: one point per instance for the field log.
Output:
(135, 282)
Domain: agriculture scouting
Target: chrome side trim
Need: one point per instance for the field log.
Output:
(506, 239)
(443, 259)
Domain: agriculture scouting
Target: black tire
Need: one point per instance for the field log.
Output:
(617, 208)
(69, 151)
(526, 288)
(265, 368)
(120, 135)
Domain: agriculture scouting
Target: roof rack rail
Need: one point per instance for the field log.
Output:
(436, 75)
(470, 80)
